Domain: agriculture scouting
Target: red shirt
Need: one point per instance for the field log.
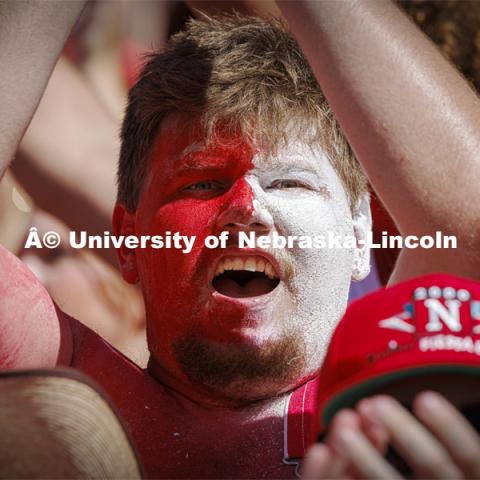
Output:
(166, 436)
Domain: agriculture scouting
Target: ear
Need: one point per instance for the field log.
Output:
(362, 226)
(124, 224)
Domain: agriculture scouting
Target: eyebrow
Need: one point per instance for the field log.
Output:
(192, 148)
(192, 163)
(189, 169)
(285, 169)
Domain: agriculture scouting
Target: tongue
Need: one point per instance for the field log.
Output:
(253, 288)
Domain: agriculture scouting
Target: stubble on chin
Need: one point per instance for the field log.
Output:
(242, 371)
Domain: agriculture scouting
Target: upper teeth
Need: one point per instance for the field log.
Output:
(250, 264)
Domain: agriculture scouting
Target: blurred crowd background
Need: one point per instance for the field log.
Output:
(63, 177)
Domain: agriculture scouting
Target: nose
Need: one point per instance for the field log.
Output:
(245, 213)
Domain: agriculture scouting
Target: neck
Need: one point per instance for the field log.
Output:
(203, 422)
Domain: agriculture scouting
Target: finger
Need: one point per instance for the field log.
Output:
(361, 454)
(422, 451)
(316, 463)
(338, 468)
(321, 462)
(373, 430)
(345, 418)
(452, 429)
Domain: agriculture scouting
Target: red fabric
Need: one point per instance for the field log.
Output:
(140, 400)
(301, 420)
(399, 328)
(161, 429)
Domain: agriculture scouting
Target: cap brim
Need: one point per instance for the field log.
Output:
(348, 397)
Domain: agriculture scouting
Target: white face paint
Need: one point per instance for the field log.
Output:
(299, 193)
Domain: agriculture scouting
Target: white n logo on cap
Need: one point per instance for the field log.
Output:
(438, 313)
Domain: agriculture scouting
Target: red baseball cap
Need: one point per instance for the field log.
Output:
(430, 324)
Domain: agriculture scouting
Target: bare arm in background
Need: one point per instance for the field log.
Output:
(32, 35)
(32, 331)
(411, 119)
(68, 156)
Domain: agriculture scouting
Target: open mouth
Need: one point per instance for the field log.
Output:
(242, 277)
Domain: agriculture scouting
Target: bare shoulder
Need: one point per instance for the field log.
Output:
(34, 332)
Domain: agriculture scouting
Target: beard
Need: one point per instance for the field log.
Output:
(243, 372)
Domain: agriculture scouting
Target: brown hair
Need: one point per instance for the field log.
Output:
(246, 73)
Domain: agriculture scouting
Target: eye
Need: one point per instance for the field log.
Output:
(288, 184)
(205, 189)
(204, 186)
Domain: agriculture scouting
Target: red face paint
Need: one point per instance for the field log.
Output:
(197, 191)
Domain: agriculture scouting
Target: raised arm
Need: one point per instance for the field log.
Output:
(32, 34)
(33, 333)
(411, 119)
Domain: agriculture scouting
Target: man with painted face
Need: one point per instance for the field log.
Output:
(227, 130)
(240, 142)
